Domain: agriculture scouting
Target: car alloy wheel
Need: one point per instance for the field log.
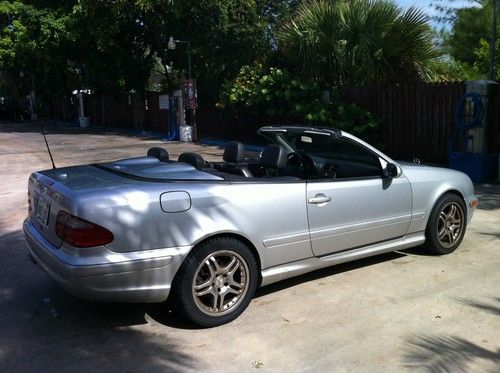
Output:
(450, 224)
(220, 282)
(446, 225)
(216, 282)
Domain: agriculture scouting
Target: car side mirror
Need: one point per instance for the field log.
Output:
(390, 171)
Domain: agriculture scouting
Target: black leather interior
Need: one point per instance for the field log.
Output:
(234, 152)
(193, 159)
(274, 156)
(159, 153)
(234, 155)
(235, 169)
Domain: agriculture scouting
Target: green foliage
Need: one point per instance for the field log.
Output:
(275, 95)
(470, 25)
(482, 55)
(468, 42)
(449, 70)
(357, 42)
(29, 40)
(114, 46)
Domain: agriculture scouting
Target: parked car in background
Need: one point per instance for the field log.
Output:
(207, 234)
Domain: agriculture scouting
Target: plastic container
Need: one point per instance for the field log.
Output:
(186, 133)
(84, 121)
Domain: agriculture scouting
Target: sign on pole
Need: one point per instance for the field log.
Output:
(163, 102)
(190, 92)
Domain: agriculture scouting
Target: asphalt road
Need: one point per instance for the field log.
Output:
(394, 312)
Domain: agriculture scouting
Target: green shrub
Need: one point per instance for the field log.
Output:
(273, 95)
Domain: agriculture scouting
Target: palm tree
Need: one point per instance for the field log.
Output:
(355, 42)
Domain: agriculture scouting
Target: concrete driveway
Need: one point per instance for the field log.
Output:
(394, 312)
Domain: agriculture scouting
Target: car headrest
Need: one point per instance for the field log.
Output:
(274, 156)
(159, 153)
(234, 152)
(193, 159)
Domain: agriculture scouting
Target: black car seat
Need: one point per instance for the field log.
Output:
(234, 158)
(274, 160)
(159, 153)
(193, 159)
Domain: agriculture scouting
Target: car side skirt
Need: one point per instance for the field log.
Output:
(287, 270)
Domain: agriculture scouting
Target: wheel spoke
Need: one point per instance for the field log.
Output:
(234, 291)
(204, 290)
(232, 282)
(233, 268)
(228, 268)
(452, 211)
(216, 267)
(204, 285)
(449, 235)
(221, 300)
(442, 233)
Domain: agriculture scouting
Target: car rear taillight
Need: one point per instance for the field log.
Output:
(81, 233)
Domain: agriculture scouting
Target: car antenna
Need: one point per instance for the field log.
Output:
(48, 148)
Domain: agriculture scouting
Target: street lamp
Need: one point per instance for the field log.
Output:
(491, 74)
(22, 74)
(171, 45)
(191, 87)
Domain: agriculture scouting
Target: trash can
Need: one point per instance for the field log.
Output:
(84, 121)
(186, 133)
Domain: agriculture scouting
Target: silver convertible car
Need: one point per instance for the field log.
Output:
(207, 234)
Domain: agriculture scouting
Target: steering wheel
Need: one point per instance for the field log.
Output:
(301, 165)
(329, 170)
(295, 165)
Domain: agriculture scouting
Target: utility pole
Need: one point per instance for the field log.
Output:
(491, 74)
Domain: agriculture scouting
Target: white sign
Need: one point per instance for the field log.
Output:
(164, 102)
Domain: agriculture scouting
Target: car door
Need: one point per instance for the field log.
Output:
(356, 206)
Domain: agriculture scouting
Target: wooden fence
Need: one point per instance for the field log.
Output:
(418, 119)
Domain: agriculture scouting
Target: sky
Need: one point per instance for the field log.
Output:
(426, 6)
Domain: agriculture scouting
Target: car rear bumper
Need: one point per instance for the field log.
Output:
(113, 277)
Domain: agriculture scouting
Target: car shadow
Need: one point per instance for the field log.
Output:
(102, 316)
(166, 314)
(43, 326)
(325, 272)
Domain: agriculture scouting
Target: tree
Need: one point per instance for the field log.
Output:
(113, 46)
(30, 38)
(468, 41)
(357, 42)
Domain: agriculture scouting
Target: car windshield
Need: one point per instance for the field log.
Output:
(322, 150)
(310, 142)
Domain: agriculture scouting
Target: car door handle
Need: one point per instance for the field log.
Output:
(319, 199)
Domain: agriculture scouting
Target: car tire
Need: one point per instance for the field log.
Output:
(446, 226)
(216, 282)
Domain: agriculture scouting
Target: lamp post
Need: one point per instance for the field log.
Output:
(491, 74)
(83, 120)
(171, 45)
(22, 74)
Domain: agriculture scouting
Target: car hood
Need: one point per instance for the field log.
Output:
(421, 172)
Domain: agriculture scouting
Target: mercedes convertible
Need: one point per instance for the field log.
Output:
(207, 234)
